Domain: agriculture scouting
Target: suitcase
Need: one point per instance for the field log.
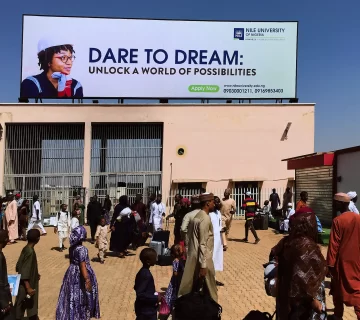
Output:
(265, 224)
(158, 246)
(162, 236)
(165, 260)
(261, 222)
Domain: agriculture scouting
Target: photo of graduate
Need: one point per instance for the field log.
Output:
(55, 59)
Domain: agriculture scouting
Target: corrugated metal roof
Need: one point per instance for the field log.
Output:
(345, 150)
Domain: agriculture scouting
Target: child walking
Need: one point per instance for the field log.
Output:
(28, 294)
(101, 239)
(147, 299)
(75, 220)
(78, 298)
(62, 226)
(178, 271)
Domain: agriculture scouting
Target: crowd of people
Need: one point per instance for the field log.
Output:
(200, 240)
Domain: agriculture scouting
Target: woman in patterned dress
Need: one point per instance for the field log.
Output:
(301, 271)
(78, 299)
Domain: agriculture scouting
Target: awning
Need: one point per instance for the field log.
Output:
(189, 180)
(311, 161)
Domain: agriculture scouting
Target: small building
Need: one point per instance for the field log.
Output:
(324, 174)
(55, 149)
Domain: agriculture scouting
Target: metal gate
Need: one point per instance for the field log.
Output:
(126, 158)
(47, 160)
(126, 184)
(318, 183)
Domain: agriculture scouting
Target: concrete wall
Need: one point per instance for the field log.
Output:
(222, 142)
(348, 170)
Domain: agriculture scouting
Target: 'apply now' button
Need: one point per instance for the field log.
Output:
(203, 88)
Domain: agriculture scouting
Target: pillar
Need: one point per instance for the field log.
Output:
(87, 160)
(4, 118)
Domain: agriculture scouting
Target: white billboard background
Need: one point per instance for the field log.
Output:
(274, 60)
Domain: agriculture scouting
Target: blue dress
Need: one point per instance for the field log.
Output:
(174, 285)
(75, 303)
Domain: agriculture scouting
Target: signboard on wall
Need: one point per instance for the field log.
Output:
(75, 57)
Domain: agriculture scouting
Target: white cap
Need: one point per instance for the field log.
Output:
(290, 204)
(49, 42)
(352, 194)
(248, 193)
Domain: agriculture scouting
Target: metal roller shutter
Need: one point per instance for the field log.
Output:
(318, 182)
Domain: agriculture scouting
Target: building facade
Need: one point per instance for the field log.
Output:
(59, 150)
(322, 175)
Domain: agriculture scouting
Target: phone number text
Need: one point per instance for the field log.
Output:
(253, 90)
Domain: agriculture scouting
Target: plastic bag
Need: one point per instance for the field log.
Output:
(164, 309)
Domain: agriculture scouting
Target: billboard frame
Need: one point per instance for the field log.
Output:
(164, 97)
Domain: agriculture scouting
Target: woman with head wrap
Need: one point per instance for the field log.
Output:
(301, 271)
(78, 299)
(122, 226)
(353, 196)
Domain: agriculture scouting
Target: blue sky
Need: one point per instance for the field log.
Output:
(328, 53)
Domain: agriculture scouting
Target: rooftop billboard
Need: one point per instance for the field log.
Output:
(80, 57)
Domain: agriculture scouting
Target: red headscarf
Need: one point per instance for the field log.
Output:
(302, 210)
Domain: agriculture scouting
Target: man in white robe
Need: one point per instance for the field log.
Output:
(218, 254)
(157, 213)
(353, 197)
(290, 211)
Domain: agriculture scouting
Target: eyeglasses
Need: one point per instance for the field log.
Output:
(65, 59)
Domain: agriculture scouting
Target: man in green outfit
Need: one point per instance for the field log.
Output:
(28, 295)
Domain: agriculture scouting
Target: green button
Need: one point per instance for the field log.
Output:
(203, 88)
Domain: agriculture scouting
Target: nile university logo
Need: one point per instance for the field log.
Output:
(239, 33)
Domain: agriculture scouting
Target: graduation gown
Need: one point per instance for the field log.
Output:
(218, 255)
(200, 255)
(344, 256)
